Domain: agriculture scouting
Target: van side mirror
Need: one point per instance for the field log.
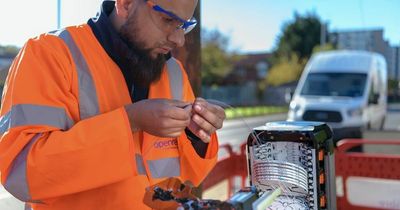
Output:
(373, 99)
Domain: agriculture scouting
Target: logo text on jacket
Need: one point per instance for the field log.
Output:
(166, 144)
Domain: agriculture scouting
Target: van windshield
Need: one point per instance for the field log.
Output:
(334, 84)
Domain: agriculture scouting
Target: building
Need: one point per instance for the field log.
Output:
(395, 74)
(368, 40)
(250, 68)
(240, 86)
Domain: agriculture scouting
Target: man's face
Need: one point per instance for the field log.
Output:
(151, 27)
(150, 39)
(147, 67)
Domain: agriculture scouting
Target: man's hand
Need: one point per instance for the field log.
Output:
(206, 119)
(159, 117)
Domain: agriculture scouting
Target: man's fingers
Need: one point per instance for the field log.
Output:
(199, 132)
(204, 136)
(219, 111)
(177, 103)
(203, 124)
(173, 123)
(211, 116)
(213, 108)
(179, 113)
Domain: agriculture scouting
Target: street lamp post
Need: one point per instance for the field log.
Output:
(58, 14)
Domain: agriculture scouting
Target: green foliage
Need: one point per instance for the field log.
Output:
(8, 50)
(393, 85)
(299, 37)
(216, 61)
(326, 47)
(240, 112)
(286, 70)
(3, 75)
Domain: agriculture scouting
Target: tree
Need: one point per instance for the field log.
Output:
(326, 47)
(393, 88)
(216, 61)
(8, 51)
(299, 37)
(287, 70)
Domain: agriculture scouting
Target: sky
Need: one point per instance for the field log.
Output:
(252, 26)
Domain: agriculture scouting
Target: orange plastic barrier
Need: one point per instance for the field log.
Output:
(228, 168)
(358, 172)
(349, 166)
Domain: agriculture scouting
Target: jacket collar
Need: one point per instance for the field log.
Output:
(109, 38)
(116, 48)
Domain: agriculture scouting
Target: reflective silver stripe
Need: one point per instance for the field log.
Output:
(17, 183)
(166, 167)
(88, 102)
(29, 114)
(139, 165)
(175, 78)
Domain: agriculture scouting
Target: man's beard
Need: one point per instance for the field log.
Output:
(144, 68)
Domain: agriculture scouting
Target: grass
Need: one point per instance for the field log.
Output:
(232, 113)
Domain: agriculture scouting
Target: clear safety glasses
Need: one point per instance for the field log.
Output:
(168, 21)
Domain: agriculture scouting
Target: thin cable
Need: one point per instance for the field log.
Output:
(225, 106)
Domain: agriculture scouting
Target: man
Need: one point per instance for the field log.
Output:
(94, 114)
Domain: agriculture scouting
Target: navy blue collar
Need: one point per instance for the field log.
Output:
(116, 48)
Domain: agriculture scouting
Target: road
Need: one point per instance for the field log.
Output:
(235, 132)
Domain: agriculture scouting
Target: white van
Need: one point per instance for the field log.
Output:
(346, 89)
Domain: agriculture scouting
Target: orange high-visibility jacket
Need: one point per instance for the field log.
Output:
(66, 142)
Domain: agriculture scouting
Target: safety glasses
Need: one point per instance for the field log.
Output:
(168, 21)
